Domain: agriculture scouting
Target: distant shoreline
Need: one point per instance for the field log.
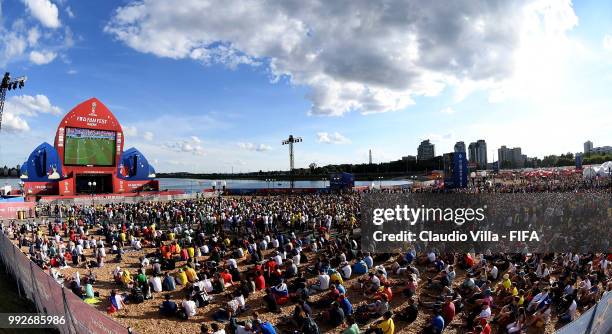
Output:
(277, 177)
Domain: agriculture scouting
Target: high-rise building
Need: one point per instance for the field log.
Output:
(370, 156)
(511, 157)
(503, 155)
(460, 146)
(477, 152)
(472, 153)
(588, 146)
(426, 150)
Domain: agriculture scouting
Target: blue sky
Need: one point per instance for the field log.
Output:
(202, 86)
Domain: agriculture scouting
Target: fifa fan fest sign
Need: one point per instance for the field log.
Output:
(87, 157)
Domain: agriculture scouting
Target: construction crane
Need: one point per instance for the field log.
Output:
(6, 85)
(290, 141)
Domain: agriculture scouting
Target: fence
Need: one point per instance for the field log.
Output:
(51, 298)
(102, 200)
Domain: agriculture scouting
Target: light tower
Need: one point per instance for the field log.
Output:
(370, 156)
(8, 84)
(290, 141)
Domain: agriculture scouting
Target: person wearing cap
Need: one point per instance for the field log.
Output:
(448, 309)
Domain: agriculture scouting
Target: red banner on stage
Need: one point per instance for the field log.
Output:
(10, 210)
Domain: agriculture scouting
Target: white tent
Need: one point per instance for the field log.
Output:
(605, 169)
(589, 172)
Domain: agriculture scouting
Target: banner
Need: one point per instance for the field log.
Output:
(10, 210)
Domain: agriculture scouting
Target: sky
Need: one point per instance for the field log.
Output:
(215, 86)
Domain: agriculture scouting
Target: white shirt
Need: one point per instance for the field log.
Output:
(486, 313)
(324, 281)
(346, 271)
(157, 284)
(232, 263)
(190, 307)
(494, 272)
(572, 310)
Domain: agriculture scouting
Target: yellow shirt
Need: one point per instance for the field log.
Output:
(126, 277)
(506, 284)
(387, 326)
(336, 278)
(191, 274)
(182, 277)
(191, 251)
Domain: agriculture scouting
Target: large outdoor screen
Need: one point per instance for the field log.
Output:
(89, 147)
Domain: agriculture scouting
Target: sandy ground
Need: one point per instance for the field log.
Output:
(144, 317)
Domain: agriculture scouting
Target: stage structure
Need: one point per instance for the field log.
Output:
(87, 158)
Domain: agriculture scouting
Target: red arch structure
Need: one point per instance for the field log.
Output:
(89, 141)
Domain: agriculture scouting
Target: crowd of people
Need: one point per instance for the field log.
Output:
(251, 257)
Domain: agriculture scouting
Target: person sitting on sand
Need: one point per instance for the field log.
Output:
(168, 307)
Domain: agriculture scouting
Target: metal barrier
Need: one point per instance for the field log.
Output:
(99, 200)
(51, 298)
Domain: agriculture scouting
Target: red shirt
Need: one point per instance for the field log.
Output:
(227, 277)
(448, 312)
(260, 282)
(469, 261)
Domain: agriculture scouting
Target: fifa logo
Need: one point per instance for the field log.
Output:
(93, 109)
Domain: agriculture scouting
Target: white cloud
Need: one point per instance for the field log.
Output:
(607, 42)
(44, 11)
(69, 12)
(332, 138)
(72, 71)
(21, 40)
(28, 105)
(195, 139)
(42, 58)
(13, 45)
(448, 110)
(12, 123)
(185, 146)
(130, 131)
(353, 55)
(255, 147)
(18, 108)
(33, 36)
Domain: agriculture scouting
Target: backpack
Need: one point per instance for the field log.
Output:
(310, 327)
